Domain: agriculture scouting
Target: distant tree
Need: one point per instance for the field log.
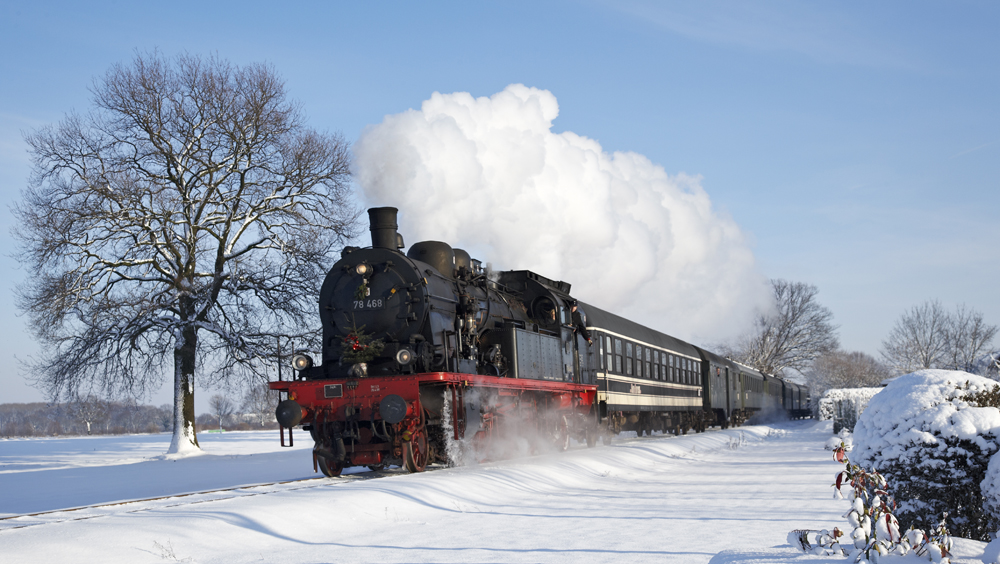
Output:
(796, 332)
(189, 216)
(164, 417)
(928, 336)
(919, 339)
(841, 369)
(88, 409)
(260, 401)
(969, 339)
(222, 407)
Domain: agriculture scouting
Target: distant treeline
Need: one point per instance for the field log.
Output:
(94, 416)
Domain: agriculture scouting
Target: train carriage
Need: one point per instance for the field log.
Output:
(645, 379)
(720, 379)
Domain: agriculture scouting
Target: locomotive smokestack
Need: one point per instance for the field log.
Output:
(383, 227)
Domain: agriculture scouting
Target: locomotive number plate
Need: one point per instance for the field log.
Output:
(333, 391)
(369, 304)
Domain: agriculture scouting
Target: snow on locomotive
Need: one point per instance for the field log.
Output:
(426, 356)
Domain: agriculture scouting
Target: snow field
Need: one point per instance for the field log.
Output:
(44, 474)
(723, 497)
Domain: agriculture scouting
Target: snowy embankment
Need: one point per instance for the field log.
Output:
(722, 497)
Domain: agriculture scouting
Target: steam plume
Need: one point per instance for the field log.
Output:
(489, 175)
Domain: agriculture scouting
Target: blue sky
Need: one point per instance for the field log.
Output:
(858, 144)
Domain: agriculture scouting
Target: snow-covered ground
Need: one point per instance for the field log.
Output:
(721, 497)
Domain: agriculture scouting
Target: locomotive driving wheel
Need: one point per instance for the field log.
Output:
(561, 434)
(329, 468)
(415, 451)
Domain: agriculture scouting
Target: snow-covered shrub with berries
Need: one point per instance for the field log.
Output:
(873, 531)
(932, 434)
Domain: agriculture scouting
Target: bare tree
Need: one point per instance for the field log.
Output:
(88, 409)
(927, 336)
(190, 216)
(969, 339)
(919, 339)
(222, 407)
(841, 369)
(795, 333)
(261, 402)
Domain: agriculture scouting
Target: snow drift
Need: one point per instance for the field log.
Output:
(491, 176)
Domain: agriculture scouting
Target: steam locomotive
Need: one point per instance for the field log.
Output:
(428, 351)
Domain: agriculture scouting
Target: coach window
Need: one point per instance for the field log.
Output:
(600, 351)
(671, 374)
(618, 356)
(628, 359)
(638, 361)
(610, 358)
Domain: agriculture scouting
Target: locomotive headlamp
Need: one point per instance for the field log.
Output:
(404, 356)
(363, 269)
(302, 361)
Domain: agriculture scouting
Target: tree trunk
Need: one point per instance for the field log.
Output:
(185, 439)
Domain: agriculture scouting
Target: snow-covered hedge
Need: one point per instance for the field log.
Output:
(932, 434)
(845, 405)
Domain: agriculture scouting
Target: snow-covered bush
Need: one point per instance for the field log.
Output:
(932, 433)
(990, 488)
(845, 405)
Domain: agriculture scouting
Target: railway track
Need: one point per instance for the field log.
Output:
(122, 507)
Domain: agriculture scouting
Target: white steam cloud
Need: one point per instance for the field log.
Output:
(489, 175)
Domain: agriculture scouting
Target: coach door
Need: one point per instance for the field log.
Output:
(729, 391)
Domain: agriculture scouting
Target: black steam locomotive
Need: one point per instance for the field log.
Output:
(427, 348)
